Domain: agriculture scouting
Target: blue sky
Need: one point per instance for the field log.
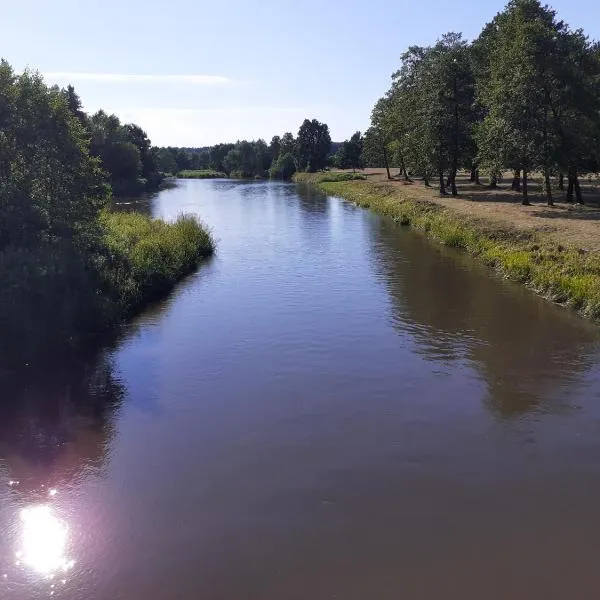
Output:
(194, 73)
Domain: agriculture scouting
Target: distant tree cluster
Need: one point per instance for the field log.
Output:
(280, 159)
(523, 97)
(350, 153)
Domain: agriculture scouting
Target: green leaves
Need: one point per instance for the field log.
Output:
(312, 146)
(524, 95)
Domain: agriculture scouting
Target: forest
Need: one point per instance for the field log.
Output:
(311, 150)
(523, 97)
(69, 266)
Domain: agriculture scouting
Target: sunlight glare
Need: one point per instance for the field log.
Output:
(44, 541)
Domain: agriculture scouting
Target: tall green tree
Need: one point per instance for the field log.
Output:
(313, 145)
(349, 155)
(528, 85)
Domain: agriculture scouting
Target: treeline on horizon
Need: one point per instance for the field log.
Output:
(523, 97)
(310, 151)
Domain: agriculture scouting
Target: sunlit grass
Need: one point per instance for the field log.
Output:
(567, 275)
(148, 256)
(327, 177)
(201, 174)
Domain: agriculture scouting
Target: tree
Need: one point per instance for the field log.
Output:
(283, 168)
(166, 161)
(51, 194)
(288, 144)
(374, 151)
(313, 145)
(349, 156)
(525, 49)
(275, 147)
(126, 153)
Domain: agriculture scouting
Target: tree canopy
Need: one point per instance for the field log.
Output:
(523, 96)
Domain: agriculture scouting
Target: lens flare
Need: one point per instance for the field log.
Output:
(44, 541)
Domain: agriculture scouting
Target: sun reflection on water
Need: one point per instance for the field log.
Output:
(43, 541)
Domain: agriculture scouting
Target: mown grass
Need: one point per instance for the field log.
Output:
(201, 174)
(148, 256)
(564, 274)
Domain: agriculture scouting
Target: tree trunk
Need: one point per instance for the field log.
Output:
(387, 164)
(442, 186)
(570, 187)
(547, 160)
(403, 169)
(477, 181)
(525, 200)
(516, 182)
(561, 181)
(426, 180)
(493, 181)
(473, 177)
(548, 186)
(578, 194)
(453, 183)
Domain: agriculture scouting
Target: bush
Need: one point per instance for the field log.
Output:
(283, 168)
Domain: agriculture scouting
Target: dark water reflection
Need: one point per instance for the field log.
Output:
(331, 408)
(528, 353)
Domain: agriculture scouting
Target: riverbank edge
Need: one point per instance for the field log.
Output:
(563, 274)
(74, 307)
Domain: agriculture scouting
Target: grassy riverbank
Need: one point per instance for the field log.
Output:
(201, 174)
(149, 256)
(55, 297)
(564, 272)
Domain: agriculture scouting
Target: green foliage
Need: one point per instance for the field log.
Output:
(66, 269)
(312, 146)
(126, 154)
(248, 159)
(166, 161)
(148, 256)
(283, 167)
(327, 177)
(349, 155)
(523, 96)
(201, 174)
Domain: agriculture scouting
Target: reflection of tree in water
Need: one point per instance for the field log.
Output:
(524, 348)
(54, 424)
(311, 200)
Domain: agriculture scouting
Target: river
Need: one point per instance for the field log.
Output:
(332, 407)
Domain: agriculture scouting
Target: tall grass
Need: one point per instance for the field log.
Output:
(201, 174)
(148, 256)
(55, 295)
(563, 274)
(327, 177)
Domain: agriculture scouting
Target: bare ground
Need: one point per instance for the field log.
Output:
(566, 224)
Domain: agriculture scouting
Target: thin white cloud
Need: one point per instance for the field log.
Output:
(138, 78)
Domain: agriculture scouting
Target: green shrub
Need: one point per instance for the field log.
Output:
(201, 174)
(148, 256)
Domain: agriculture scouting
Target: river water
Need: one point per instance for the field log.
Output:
(332, 407)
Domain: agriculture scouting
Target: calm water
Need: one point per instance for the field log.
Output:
(332, 407)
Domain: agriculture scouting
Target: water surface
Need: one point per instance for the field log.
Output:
(332, 407)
